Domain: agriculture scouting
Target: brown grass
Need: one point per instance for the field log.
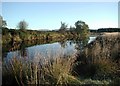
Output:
(101, 58)
(56, 71)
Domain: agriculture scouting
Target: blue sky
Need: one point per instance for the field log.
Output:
(119, 14)
(48, 15)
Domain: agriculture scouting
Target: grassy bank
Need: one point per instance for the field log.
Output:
(57, 71)
(100, 59)
(16, 35)
(22, 45)
(50, 72)
(97, 64)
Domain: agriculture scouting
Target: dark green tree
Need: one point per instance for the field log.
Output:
(72, 28)
(82, 28)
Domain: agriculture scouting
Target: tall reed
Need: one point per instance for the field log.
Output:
(55, 71)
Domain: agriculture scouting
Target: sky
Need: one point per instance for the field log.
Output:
(48, 15)
(119, 14)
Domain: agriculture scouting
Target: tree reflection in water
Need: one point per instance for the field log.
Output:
(63, 43)
(23, 51)
(80, 44)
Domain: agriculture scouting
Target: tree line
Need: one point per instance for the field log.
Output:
(106, 30)
(81, 30)
(80, 26)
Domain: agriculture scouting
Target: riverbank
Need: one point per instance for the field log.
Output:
(97, 64)
(101, 58)
(17, 36)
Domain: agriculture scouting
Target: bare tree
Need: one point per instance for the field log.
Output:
(22, 25)
(63, 27)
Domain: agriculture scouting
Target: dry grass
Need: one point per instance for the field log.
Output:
(107, 46)
(56, 71)
(101, 58)
(99, 61)
(111, 34)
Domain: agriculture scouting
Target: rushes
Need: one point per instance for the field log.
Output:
(98, 63)
(54, 72)
(100, 59)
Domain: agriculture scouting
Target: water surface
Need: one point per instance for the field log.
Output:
(49, 50)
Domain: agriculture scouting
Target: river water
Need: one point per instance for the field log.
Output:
(49, 50)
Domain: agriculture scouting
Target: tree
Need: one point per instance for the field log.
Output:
(71, 28)
(3, 23)
(22, 25)
(82, 28)
(63, 27)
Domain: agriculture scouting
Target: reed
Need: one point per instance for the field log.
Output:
(56, 71)
(100, 59)
(97, 64)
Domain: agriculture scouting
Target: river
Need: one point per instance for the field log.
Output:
(48, 50)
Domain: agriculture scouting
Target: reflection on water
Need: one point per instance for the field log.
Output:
(44, 50)
(49, 50)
